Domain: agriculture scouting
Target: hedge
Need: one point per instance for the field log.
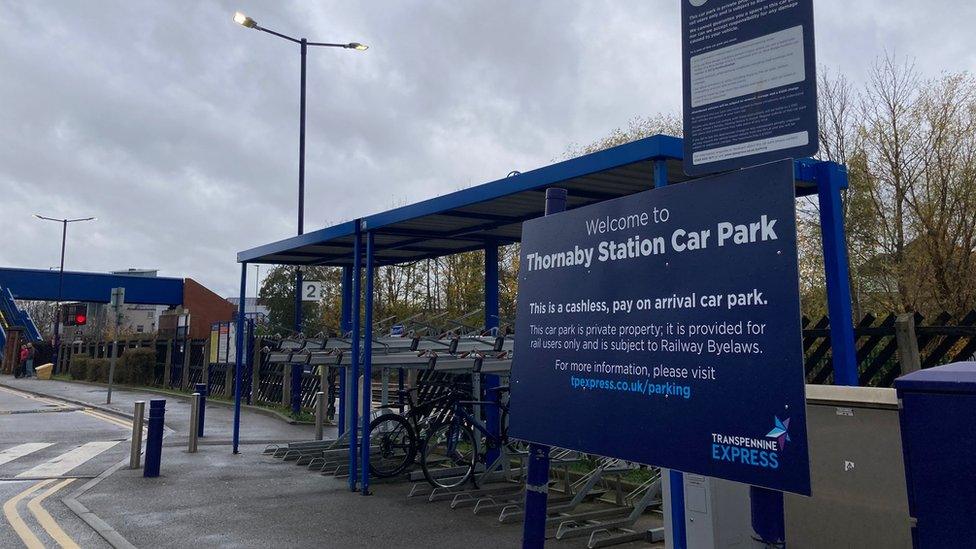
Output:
(97, 369)
(134, 367)
(137, 366)
(78, 367)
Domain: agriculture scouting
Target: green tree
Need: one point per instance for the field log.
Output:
(278, 293)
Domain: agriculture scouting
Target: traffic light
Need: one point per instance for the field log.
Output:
(76, 314)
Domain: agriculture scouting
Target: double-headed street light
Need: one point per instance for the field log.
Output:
(64, 237)
(246, 21)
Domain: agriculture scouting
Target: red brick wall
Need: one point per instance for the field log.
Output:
(205, 308)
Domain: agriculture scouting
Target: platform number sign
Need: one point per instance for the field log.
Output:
(311, 290)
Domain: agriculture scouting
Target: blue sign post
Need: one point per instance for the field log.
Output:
(750, 85)
(664, 328)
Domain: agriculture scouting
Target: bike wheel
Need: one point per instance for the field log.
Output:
(449, 455)
(393, 445)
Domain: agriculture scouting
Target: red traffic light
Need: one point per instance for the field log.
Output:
(75, 314)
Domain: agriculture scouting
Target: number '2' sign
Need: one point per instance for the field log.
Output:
(311, 290)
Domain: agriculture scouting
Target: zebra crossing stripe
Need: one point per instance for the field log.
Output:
(68, 460)
(22, 450)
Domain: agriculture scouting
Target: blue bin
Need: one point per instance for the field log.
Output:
(938, 430)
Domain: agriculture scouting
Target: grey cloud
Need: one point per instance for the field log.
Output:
(178, 128)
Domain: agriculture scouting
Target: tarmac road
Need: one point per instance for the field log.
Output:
(47, 450)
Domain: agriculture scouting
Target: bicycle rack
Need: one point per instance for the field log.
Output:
(579, 526)
(651, 535)
(582, 488)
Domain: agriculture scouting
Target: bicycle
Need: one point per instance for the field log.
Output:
(461, 441)
(394, 436)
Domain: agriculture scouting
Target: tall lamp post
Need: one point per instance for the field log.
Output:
(246, 21)
(57, 314)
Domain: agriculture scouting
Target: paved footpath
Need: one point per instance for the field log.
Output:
(217, 499)
(255, 427)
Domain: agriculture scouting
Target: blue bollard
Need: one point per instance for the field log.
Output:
(296, 388)
(154, 439)
(202, 389)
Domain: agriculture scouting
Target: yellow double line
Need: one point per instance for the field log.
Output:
(105, 417)
(34, 505)
(43, 517)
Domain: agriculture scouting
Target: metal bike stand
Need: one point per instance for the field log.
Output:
(576, 528)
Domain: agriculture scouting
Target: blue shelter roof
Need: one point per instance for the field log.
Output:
(492, 212)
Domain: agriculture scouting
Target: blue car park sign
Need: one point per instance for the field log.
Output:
(664, 328)
(750, 85)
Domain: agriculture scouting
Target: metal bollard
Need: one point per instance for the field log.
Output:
(135, 453)
(202, 389)
(319, 414)
(154, 439)
(194, 422)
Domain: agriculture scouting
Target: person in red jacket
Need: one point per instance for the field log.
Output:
(29, 364)
(22, 363)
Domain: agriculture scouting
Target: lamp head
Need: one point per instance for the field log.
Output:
(244, 20)
(357, 46)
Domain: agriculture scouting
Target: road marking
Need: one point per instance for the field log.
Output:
(10, 511)
(69, 460)
(29, 396)
(47, 521)
(22, 450)
(108, 418)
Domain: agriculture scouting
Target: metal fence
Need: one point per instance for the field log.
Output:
(880, 360)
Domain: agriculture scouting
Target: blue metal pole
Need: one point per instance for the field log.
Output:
(367, 362)
(537, 479)
(675, 478)
(492, 417)
(239, 359)
(297, 371)
(491, 285)
(346, 321)
(354, 362)
(154, 438)
(831, 179)
(298, 300)
(345, 326)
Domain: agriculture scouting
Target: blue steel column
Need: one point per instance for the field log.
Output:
(357, 267)
(537, 478)
(239, 342)
(345, 327)
(676, 479)
(491, 325)
(367, 363)
(831, 178)
(298, 300)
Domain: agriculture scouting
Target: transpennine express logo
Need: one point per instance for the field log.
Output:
(756, 452)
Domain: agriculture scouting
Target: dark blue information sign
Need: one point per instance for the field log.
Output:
(750, 85)
(664, 328)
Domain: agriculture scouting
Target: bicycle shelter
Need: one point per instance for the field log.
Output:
(487, 216)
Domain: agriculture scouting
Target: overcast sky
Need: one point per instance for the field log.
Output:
(178, 129)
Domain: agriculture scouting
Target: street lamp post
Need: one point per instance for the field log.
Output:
(64, 238)
(303, 43)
